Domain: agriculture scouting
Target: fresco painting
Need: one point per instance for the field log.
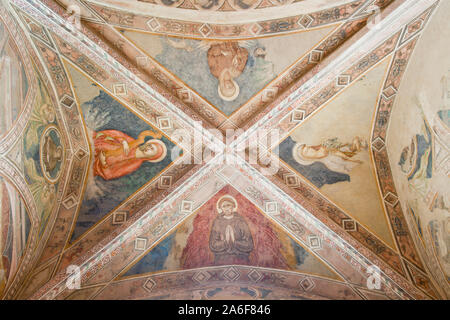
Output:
(227, 73)
(233, 293)
(228, 230)
(418, 141)
(43, 154)
(226, 5)
(14, 230)
(80, 153)
(127, 152)
(331, 151)
(440, 235)
(416, 160)
(229, 292)
(424, 167)
(13, 80)
(16, 155)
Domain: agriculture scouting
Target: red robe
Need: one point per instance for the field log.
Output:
(116, 165)
(267, 249)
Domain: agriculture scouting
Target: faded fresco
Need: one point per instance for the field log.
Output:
(331, 151)
(227, 74)
(424, 169)
(424, 165)
(14, 229)
(232, 292)
(127, 152)
(105, 194)
(228, 5)
(13, 81)
(419, 141)
(43, 154)
(229, 230)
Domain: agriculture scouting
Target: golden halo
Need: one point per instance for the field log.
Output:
(296, 154)
(229, 198)
(236, 86)
(164, 150)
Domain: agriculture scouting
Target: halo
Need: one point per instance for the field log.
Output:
(236, 92)
(298, 158)
(164, 148)
(227, 197)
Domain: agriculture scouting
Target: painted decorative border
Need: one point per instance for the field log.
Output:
(181, 284)
(117, 249)
(400, 46)
(147, 197)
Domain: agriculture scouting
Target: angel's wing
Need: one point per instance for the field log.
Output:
(31, 171)
(35, 116)
(180, 44)
(32, 137)
(93, 190)
(96, 119)
(204, 45)
(247, 43)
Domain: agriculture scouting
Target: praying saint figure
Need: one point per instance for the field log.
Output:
(117, 154)
(230, 238)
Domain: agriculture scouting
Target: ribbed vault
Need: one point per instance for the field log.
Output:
(115, 159)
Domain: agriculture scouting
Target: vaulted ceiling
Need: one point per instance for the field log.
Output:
(129, 125)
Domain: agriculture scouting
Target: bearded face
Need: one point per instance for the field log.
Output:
(149, 149)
